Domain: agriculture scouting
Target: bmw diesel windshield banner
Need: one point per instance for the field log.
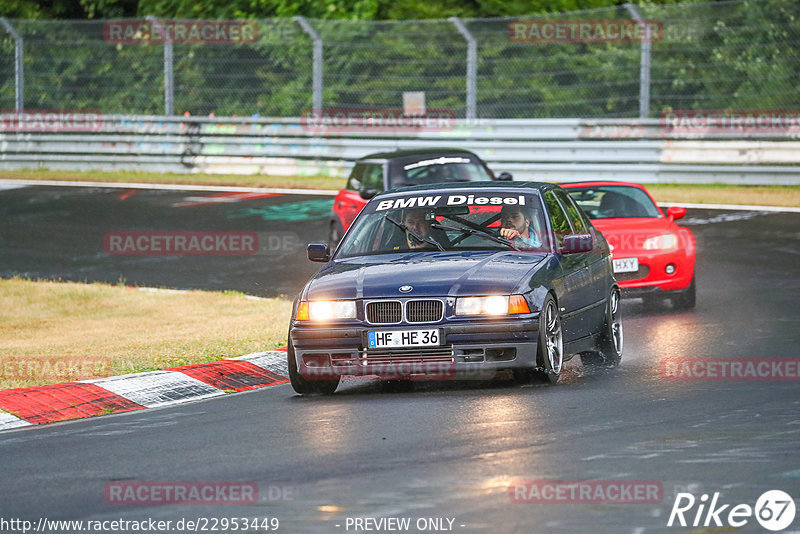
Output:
(436, 201)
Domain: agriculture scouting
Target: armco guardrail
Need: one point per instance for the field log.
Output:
(536, 149)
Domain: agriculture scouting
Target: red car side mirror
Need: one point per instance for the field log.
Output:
(674, 213)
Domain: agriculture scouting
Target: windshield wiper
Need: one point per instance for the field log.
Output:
(480, 233)
(414, 234)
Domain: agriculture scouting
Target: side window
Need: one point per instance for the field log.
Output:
(354, 182)
(373, 177)
(558, 219)
(574, 214)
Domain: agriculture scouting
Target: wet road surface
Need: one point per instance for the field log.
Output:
(446, 450)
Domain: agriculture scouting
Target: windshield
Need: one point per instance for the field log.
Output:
(448, 221)
(613, 201)
(438, 169)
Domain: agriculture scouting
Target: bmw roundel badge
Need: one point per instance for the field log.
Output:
(405, 289)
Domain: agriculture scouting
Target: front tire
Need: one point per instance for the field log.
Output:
(302, 385)
(686, 299)
(551, 341)
(335, 233)
(550, 349)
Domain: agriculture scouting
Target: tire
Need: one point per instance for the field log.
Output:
(686, 299)
(304, 386)
(611, 341)
(550, 349)
(335, 233)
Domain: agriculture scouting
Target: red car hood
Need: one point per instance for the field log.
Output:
(628, 235)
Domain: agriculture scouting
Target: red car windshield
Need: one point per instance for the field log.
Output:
(614, 202)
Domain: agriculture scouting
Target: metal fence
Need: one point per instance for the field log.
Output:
(721, 55)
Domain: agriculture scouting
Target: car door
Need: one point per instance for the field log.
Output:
(597, 269)
(349, 202)
(575, 294)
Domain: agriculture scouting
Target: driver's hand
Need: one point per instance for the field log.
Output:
(413, 242)
(508, 233)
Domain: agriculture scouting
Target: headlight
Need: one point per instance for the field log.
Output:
(661, 242)
(326, 310)
(492, 305)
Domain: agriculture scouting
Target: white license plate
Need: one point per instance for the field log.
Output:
(379, 339)
(626, 265)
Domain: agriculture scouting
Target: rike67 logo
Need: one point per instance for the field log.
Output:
(774, 510)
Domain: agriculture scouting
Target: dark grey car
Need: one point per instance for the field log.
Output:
(382, 171)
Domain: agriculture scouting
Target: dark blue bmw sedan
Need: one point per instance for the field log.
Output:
(455, 281)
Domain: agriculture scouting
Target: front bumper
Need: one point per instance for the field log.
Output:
(652, 277)
(473, 349)
(648, 291)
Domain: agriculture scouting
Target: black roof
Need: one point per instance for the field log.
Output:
(410, 154)
(465, 186)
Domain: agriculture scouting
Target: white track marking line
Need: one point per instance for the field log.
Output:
(321, 192)
(171, 187)
(736, 207)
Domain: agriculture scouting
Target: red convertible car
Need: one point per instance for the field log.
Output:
(653, 258)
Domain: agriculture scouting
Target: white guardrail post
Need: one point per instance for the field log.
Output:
(316, 75)
(472, 67)
(19, 67)
(644, 64)
(169, 76)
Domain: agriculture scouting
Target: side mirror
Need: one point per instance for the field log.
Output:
(318, 252)
(504, 177)
(577, 243)
(674, 213)
(367, 194)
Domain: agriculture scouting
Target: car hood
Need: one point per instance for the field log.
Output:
(428, 273)
(628, 235)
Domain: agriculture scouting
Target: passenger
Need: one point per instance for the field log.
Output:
(516, 226)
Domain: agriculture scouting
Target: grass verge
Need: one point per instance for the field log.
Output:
(232, 180)
(758, 195)
(52, 332)
(774, 195)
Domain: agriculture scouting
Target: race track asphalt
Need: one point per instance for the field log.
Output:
(449, 450)
(67, 233)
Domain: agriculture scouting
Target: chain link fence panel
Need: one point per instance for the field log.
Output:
(723, 55)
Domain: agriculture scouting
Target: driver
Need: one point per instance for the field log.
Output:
(516, 226)
(418, 222)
